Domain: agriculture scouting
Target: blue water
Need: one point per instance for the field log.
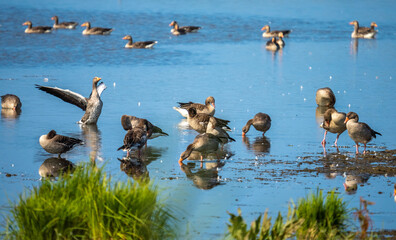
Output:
(226, 59)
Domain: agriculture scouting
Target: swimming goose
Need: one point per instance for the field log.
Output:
(38, 29)
(92, 105)
(199, 121)
(208, 108)
(272, 45)
(187, 29)
(95, 30)
(203, 143)
(177, 30)
(131, 44)
(135, 138)
(363, 32)
(261, 122)
(57, 144)
(333, 122)
(280, 41)
(129, 122)
(358, 131)
(11, 101)
(268, 33)
(325, 97)
(63, 25)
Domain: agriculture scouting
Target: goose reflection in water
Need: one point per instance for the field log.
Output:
(352, 180)
(261, 145)
(203, 178)
(10, 113)
(53, 167)
(92, 139)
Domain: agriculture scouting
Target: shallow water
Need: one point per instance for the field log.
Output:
(228, 60)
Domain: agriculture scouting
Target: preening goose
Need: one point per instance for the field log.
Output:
(268, 33)
(57, 144)
(261, 122)
(38, 29)
(358, 131)
(129, 122)
(135, 138)
(95, 30)
(92, 105)
(199, 121)
(63, 25)
(11, 101)
(204, 143)
(333, 122)
(325, 97)
(363, 32)
(187, 29)
(208, 108)
(131, 44)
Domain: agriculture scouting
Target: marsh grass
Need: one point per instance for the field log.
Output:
(88, 205)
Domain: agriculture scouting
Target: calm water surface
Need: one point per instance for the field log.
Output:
(226, 59)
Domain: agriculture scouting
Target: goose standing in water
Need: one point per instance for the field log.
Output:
(11, 101)
(363, 32)
(325, 97)
(272, 45)
(268, 33)
(261, 122)
(63, 25)
(203, 143)
(208, 108)
(57, 144)
(131, 44)
(38, 29)
(280, 41)
(187, 29)
(95, 30)
(92, 105)
(129, 122)
(199, 121)
(358, 131)
(135, 138)
(333, 122)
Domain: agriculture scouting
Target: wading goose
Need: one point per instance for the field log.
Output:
(135, 138)
(325, 97)
(199, 121)
(92, 105)
(95, 30)
(261, 122)
(358, 131)
(129, 122)
(208, 108)
(11, 101)
(131, 44)
(219, 132)
(363, 32)
(177, 30)
(204, 143)
(63, 25)
(333, 122)
(187, 29)
(272, 45)
(268, 33)
(280, 41)
(38, 29)
(57, 144)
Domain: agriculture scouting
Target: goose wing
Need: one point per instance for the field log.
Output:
(66, 95)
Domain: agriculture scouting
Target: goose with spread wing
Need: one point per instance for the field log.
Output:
(91, 105)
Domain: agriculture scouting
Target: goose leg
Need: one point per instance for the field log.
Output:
(357, 148)
(335, 143)
(127, 153)
(324, 139)
(364, 151)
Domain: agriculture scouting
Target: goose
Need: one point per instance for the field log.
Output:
(203, 143)
(63, 25)
(325, 97)
(272, 45)
(129, 122)
(57, 144)
(363, 32)
(38, 29)
(261, 122)
(53, 167)
(333, 122)
(280, 41)
(92, 105)
(219, 132)
(95, 30)
(208, 108)
(268, 33)
(11, 101)
(131, 44)
(135, 138)
(177, 30)
(187, 29)
(358, 131)
(199, 121)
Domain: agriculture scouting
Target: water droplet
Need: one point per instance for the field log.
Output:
(331, 77)
(45, 79)
(114, 84)
(138, 104)
(310, 68)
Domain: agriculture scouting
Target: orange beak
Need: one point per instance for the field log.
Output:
(243, 134)
(180, 161)
(346, 120)
(351, 23)
(52, 18)
(124, 38)
(25, 23)
(375, 25)
(83, 25)
(263, 28)
(213, 105)
(170, 24)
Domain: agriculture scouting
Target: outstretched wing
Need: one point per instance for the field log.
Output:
(66, 95)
